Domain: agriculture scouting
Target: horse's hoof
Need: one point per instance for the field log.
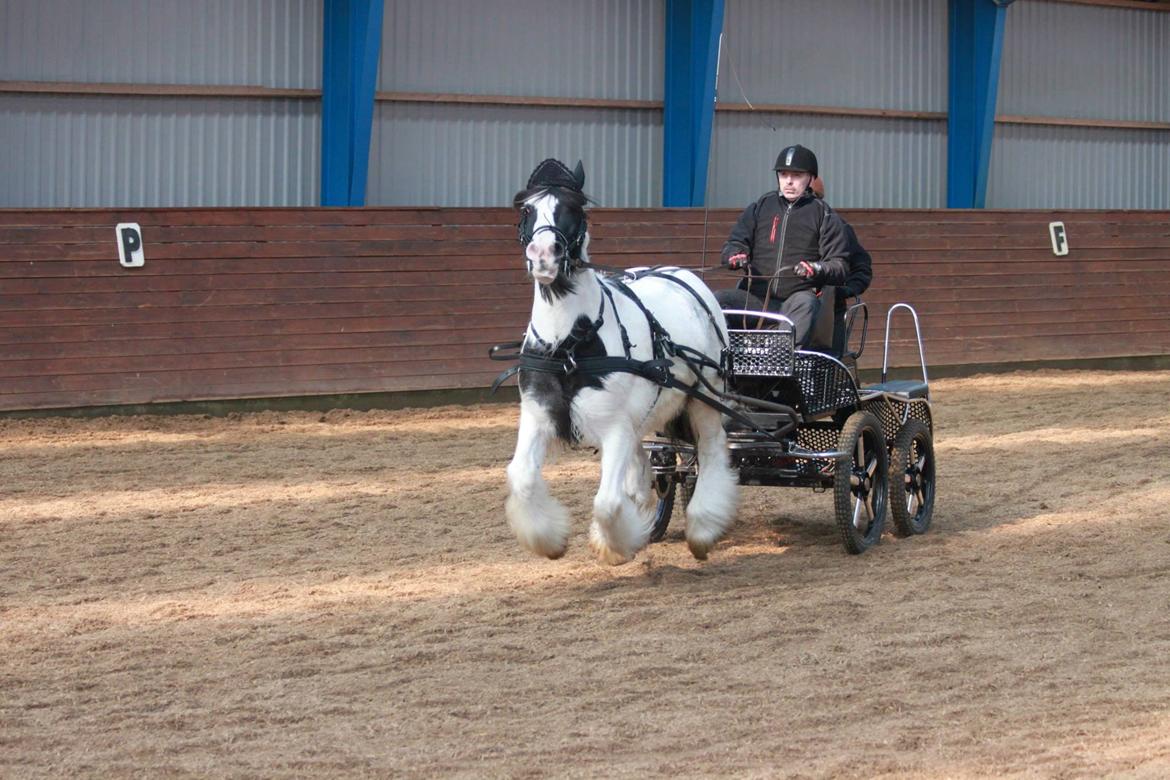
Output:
(616, 559)
(698, 550)
(607, 554)
(552, 550)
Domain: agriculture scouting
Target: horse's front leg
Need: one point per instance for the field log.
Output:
(538, 520)
(639, 477)
(620, 527)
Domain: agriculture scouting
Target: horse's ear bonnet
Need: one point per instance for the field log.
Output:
(554, 173)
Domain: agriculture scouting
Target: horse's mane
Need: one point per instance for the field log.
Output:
(575, 199)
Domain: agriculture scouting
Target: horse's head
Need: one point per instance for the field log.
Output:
(553, 228)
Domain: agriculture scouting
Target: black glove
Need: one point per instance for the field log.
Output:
(807, 270)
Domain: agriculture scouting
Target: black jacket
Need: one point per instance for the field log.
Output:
(860, 270)
(777, 235)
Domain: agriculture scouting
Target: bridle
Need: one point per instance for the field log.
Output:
(571, 259)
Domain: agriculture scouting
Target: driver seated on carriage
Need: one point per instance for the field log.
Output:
(791, 246)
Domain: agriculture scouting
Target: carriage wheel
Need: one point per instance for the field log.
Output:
(861, 482)
(666, 489)
(912, 479)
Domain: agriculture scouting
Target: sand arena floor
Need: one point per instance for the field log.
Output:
(306, 594)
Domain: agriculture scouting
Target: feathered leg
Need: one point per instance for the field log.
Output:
(538, 520)
(620, 527)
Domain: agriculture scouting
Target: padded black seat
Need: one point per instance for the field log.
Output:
(912, 388)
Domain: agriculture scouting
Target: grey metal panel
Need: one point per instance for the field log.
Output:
(448, 155)
(115, 151)
(271, 43)
(887, 54)
(560, 48)
(865, 162)
(858, 53)
(1079, 168)
(1068, 60)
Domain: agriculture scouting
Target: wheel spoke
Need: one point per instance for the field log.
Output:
(920, 496)
(857, 512)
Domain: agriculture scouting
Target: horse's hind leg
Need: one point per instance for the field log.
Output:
(713, 505)
(620, 526)
(538, 520)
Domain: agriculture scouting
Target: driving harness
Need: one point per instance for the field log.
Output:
(563, 361)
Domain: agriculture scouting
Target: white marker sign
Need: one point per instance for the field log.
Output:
(130, 253)
(1059, 238)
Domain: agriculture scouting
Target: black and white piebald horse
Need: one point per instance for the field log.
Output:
(604, 363)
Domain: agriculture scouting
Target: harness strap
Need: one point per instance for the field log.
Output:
(661, 273)
(626, 345)
(659, 337)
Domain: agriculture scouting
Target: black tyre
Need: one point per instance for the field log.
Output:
(665, 488)
(861, 482)
(912, 479)
(668, 491)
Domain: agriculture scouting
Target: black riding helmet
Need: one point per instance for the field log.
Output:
(796, 158)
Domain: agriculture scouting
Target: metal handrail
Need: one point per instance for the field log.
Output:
(917, 335)
(777, 318)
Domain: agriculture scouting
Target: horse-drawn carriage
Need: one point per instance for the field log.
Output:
(611, 356)
(810, 423)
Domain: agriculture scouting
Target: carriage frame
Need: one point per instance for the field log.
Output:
(814, 425)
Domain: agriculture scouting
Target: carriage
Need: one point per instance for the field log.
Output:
(809, 422)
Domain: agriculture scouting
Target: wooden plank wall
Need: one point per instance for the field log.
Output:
(246, 303)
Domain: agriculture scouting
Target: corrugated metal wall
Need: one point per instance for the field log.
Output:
(81, 151)
(457, 155)
(90, 150)
(864, 161)
(1060, 59)
(1075, 61)
(1066, 60)
(571, 48)
(881, 54)
(477, 155)
(273, 43)
(1079, 168)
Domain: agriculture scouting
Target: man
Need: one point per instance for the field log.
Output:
(790, 243)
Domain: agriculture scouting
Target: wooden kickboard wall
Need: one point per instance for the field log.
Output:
(254, 303)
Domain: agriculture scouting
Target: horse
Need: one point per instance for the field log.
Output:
(604, 363)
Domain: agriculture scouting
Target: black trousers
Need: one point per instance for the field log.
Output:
(800, 307)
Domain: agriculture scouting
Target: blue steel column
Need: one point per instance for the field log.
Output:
(353, 40)
(692, 56)
(976, 46)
